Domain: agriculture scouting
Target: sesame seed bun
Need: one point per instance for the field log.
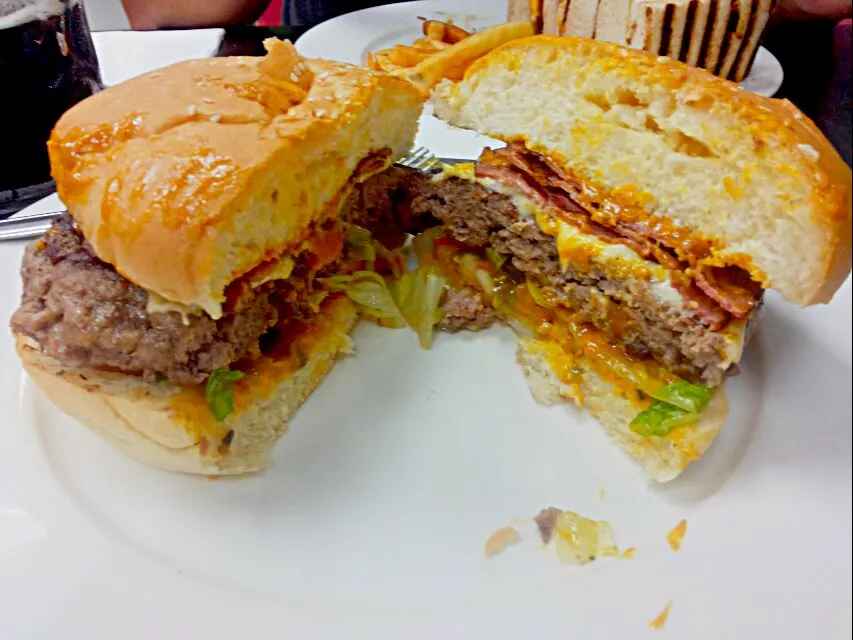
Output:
(187, 177)
(667, 142)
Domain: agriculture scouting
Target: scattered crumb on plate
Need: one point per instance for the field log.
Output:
(661, 618)
(676, 536)
(578, 540)
(629, 552)
(602, 493)
(500, 540)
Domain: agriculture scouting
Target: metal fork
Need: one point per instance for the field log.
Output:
(31, 226)
(420, 159)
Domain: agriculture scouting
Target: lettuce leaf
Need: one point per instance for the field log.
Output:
(418, 295)
(685, 395)
(361, 246)
(370, 292)
(497, 259)
(673, 405)
(219, 392)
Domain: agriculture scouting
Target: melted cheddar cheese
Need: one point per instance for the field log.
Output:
(583, 251)
(576, 248)
(265, 374)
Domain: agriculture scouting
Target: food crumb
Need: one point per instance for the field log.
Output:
(660, 620)
(546, 521)
(602, 493)
(500, 540)
(676, 536)
(629, 553)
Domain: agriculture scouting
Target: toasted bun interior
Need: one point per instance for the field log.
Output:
(663, 458)
(188, 177)
(159, 425)
(665, 141)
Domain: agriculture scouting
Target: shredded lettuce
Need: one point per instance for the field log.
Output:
(473, 271)
(685, 395)
(497, 259)
(423, 245)
(371, 295)
(539, 296)
(219, 392)
(418, 294)
(673, 405)
(362, 246)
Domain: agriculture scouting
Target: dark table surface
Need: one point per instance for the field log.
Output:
(815, 80)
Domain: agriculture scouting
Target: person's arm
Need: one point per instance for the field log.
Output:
(806, 9)
(156, 14)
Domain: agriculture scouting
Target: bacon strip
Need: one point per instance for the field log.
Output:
(713, 293)
(730, 286)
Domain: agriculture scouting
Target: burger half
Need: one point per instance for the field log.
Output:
(178, 309)
(630, 228)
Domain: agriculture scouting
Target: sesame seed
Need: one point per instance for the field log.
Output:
(798, 116)
(662, 58)
(216, 117)
(319, 113)
(192, 110)
(294, 77)
(810, 152)
(154, 75)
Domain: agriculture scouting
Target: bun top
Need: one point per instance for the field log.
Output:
(672, 144)
(188, 177)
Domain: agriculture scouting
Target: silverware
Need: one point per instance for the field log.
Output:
(34, 225)
(31, 226)
(421, 159)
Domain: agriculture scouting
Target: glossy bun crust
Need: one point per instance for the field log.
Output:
(187, 177)
(670, 143)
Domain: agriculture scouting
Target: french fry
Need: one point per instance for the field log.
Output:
(372, 63)
(404, 56)
(430, 71)
(455, 74)
(434, 29)
(438, 45)
(454, 34)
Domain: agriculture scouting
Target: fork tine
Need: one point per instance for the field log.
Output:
(419, 159)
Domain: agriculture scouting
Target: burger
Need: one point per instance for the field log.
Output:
(178, 308)
(630, 228)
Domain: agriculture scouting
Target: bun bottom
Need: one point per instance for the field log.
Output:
(141, 420)
(663, 458)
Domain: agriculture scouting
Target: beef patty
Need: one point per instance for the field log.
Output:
(85, 314)
(625, 309)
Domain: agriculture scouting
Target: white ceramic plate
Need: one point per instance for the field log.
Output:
(371, 521)
(351, 37)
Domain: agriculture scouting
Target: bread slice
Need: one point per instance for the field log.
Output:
(579, 18)
(697, 23)
(663, 458)
(189, 176)
(739, 20)
(673, 144)
(159, 425)
(552, 16)
(648, 26)
(611, 21)
(752, 39)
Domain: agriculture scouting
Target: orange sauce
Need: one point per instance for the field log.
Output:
(294, 345)
(659, 622)
(676, 536)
